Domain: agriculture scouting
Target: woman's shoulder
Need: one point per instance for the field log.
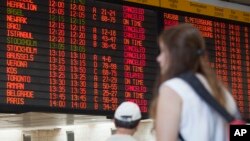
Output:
(178, 85)
(177, 80)
(172, 82)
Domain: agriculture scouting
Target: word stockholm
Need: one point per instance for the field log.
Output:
(76, 56)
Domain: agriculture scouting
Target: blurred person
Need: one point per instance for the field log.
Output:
(177, 108)
(127, 117)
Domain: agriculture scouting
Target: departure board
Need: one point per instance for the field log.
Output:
(88, 56)
(227, 45)
(76, 56)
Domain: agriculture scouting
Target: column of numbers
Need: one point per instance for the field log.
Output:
(221, 64)
(57, 53)
(109, 85)
(77, 55)
(236, 63)
(246, 47)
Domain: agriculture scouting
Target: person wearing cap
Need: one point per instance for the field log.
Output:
(127, 117)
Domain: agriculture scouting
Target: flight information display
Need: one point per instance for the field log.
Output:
(228, 48)
(75, 55)
(88, 56)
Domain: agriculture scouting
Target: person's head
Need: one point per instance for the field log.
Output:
(127, 117)
(182, 49)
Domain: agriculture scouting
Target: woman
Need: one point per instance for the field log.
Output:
(177, 109)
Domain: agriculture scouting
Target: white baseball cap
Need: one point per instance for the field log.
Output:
(128, 112)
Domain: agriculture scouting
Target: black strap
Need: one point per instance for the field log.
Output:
(180, 137)
(203, 93)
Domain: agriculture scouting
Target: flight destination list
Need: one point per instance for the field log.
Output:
(227, 45)
(85, 56)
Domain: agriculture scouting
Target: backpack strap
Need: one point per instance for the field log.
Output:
(203, 93)
(180, 137)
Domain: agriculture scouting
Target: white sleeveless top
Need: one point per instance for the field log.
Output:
(199, 122)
